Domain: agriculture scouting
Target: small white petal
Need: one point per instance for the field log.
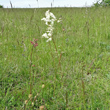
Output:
(50, 34)
(43, 19)
(47, 12)
(46, 23)
(50, 28)
(49, 39)
(58, 21)
(45, 35)
(52, 22)
(52, 15)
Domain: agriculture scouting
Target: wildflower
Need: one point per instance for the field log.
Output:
(50, 29)
(59, 20)
(49, 39)
(49, 21)
(34, 43)
(52, 15)
(49, 34)
(33, 65)
(45, 35)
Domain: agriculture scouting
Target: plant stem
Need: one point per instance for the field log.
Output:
(55, 46)
(83, 88)
(30, 72)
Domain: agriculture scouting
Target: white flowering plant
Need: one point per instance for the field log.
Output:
(49, 21)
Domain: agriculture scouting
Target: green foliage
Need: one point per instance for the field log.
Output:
(106, 1)
(1, 6)
(102, 3)
(97, 4)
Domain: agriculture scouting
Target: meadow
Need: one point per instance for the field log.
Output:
(71, 73)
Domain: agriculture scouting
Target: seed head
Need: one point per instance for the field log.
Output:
(26, 101)
(43, 86)
(30, 95)
(42, 107)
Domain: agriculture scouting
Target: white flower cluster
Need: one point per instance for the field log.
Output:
(49, 21)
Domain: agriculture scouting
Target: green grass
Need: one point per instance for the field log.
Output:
(82, 82)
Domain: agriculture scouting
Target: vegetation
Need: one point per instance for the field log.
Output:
(1, 6)
(76, 77)
(102, 3)
(106, 2)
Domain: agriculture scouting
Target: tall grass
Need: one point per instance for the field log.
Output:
(82, 81)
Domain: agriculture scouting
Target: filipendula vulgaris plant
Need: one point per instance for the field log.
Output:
(50, 20)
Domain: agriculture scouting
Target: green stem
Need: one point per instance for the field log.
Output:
(30, 72)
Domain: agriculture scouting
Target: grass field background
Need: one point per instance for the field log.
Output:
(80, 82)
